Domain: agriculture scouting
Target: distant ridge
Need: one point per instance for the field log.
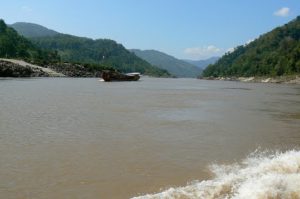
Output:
(203, 63)
(176, 67)
(30, 30)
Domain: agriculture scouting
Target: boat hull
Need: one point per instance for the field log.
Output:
(109, 76)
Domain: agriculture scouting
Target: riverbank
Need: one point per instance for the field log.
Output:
(20, 68)
(74, 70)
(291, 79)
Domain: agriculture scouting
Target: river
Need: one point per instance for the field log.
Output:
(82, 138)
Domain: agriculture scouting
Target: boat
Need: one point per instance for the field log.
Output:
(108, 76)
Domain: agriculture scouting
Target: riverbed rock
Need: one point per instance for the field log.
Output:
(74, 70)
(20, 68)
(9, 69)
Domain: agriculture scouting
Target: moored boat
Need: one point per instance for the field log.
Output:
(108, 76)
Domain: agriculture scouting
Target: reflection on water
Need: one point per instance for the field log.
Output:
(81, 138)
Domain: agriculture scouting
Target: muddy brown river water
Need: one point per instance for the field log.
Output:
(81, 138)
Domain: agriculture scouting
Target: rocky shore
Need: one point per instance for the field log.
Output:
(9, 69)
(291, 79)
(74, 70)
(20, 68)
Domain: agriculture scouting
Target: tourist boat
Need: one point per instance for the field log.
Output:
(109, 76)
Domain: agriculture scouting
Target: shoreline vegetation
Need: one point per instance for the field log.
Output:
(20, 68)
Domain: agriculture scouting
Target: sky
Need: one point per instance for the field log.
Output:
(186, 29)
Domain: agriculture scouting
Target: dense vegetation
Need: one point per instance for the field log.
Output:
(85, 50)
(100, 51)
(12, 45)
(273, 54)
(175, 66)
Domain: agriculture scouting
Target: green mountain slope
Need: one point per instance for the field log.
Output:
(203, 63)
(12, 45)
(175, 66)
(85, 50)
(32, 30)
(274, 53)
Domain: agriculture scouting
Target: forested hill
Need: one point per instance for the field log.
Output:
(176, 67)
(12, 45)
(275, 53)
(85, 50)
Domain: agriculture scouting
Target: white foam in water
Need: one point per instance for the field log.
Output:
(260, 176)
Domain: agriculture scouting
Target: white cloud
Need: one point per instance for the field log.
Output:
(203, 52)
(230, 50)
(249, 41)
(282, 12)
